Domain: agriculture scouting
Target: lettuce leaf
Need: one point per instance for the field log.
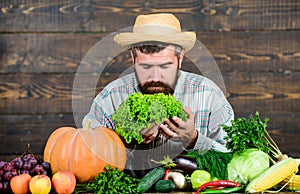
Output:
(140, 111)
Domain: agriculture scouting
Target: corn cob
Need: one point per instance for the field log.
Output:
(292, 184)
(273, 175)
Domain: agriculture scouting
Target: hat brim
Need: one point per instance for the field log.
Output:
(184, 39)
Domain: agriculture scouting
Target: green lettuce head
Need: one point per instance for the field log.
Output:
(140, 111)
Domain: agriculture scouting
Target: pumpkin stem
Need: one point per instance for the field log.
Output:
(87, 125)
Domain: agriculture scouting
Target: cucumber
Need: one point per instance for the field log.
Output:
(164, 186)
(150, 179)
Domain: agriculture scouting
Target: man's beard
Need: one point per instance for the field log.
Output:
(155, 87)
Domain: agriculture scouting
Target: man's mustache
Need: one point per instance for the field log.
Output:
(155, 84)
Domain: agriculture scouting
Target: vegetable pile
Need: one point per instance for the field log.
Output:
(140, 111)
(243, 137)
(253, 164)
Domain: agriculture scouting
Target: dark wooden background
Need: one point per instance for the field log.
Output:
(255, 43)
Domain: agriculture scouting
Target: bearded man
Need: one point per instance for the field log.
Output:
(157, 46)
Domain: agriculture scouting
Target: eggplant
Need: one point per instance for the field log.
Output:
(185, 163)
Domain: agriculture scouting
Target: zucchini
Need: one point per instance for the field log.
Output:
(150, 179)
(165, 186)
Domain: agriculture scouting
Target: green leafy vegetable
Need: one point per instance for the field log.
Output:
(246, 165)
(140, 111)
(111, 181)
(212, 161)
(245, 134)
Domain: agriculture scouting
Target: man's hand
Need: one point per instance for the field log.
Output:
(150, 134)
(178, 130)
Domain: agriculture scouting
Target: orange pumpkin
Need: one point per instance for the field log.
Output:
(85, 152)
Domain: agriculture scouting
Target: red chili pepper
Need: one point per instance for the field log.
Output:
(217, 183)
(166, 173)
(216, 188)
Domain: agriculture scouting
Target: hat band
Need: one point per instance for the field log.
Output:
(155, 30)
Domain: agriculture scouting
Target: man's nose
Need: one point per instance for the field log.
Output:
(156, 74)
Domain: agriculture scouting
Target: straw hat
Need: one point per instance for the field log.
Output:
(162, 27)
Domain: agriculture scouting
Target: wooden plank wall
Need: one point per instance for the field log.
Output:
(256, 45)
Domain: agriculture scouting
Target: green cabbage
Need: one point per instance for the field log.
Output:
(247, 165)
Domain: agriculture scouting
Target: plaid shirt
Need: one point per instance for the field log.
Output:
(201, 95)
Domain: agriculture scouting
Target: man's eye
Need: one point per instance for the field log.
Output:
(164, 66)
(146, 66)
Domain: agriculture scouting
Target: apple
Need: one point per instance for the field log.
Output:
(20, 183)
(40, 184)
(63, 182)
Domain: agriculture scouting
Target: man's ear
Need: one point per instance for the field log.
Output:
(181, 58)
